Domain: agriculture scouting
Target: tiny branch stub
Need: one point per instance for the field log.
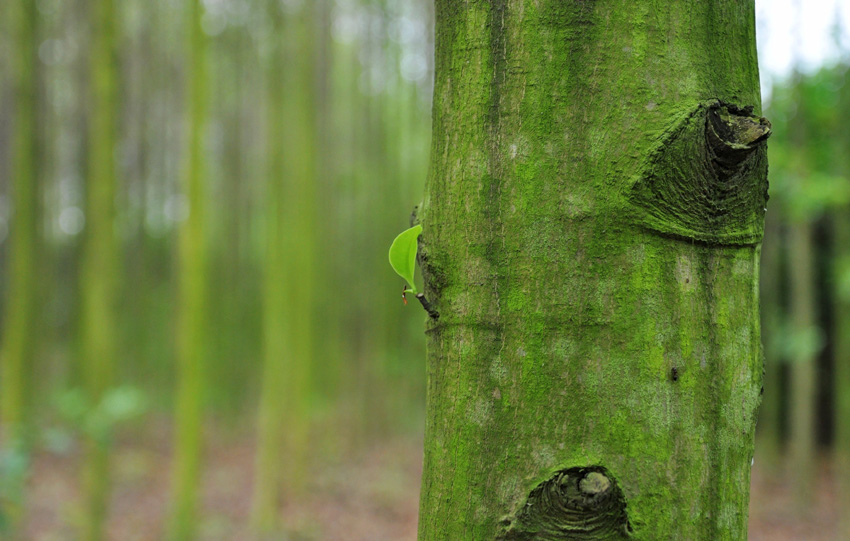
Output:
(427, 306)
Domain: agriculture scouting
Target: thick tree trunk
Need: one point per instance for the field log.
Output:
(591, 239)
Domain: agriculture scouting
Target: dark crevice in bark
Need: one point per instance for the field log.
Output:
(434, 278)
(712, 368)
(427, 270)
(498, 60)
(732, 135)
(583, 503)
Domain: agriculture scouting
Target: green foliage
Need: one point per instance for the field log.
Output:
(791, 345)
(403, 255)
(808, 177)
(809, 194)
(14, 467)
(98, 421)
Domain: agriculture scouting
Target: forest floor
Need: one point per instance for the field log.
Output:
(370, 497)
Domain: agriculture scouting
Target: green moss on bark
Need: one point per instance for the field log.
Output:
(563, 308)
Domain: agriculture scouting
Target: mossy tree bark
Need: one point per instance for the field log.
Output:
(591, 239)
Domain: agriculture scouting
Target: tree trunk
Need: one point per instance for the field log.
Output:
(805, 335)
(268, 473)
(99, 267)
(841, 355)
(289, 285)
(803, 383)
(841, 323)
(19, 336)
(20, 321)
(591, 239)
(192, 323)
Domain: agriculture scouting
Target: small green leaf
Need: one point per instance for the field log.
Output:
(403, 255)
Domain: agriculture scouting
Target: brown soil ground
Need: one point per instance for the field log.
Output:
(371, 497)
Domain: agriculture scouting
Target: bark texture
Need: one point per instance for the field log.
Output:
(591, 237)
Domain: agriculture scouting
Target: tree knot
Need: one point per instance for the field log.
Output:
(575, 503)
(706, 177)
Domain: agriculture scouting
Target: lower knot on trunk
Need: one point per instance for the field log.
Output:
(583, 503)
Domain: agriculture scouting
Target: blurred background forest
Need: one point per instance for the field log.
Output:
(201, 336)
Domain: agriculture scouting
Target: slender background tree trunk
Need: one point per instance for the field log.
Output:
(840, 273)
(20, 323)
(268, 475)
(192, 284)
(841, 326)
(99, 269)
(803, 325)
(290, 277)
(591, 239)
(803, 384)
(19, 345)
(841, 354)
